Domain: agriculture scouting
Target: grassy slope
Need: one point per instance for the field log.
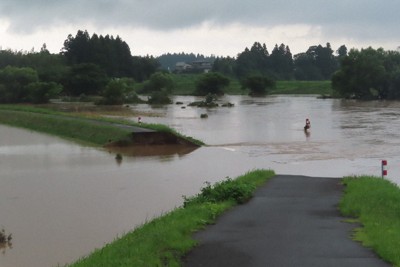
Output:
(165, 240)
(56, 123)
(375, 203)
(79, 129)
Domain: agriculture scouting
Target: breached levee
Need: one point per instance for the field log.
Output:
(151, 138)
(152, 143)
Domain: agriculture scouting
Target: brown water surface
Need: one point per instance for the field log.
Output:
(60, 200)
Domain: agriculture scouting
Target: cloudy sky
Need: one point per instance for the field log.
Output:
(219, 27)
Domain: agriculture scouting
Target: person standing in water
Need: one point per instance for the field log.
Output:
(308, 125)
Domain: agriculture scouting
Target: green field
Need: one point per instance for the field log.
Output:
(185, 84)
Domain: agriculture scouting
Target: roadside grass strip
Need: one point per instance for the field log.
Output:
(375, 203)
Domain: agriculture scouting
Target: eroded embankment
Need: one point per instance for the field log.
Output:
(151, 138)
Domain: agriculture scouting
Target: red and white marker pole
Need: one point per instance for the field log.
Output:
(384, 168)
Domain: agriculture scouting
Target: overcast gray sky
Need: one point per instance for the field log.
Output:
(219, 27)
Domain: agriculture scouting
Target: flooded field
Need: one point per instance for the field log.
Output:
(60, 200)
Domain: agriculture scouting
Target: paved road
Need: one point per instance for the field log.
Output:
(291, 221)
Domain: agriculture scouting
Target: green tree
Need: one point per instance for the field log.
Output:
(317, 63)
(10, 58)
(144, 67)
(225, 66)
(258, 84)
(85, 78)
(111, 54)
(159, 98)
(325, 61)
(342, 52)
(113, 93)
(14, 82)
(363, 75)
(159, 81)
(282, 62)
(253, 61)
(50, 67)
(77, 49)
(42, 92)
(211, 83)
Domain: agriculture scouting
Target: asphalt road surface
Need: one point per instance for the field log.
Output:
(291, 221)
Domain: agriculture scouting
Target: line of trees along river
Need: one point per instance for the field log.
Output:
(104, 65)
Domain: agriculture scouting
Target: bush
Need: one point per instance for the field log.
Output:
(226, 190)
(159, 98)
(211, 83)
(158, 82)
(14, 82)
(258, 84)
(85, 78)
(42, 92)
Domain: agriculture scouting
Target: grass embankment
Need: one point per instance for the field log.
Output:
(165, 240)
(94, 131)
(303, 87)
(375, 203)
(185, 84)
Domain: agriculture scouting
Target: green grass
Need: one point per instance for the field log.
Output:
(91, 131)
(164, 241)
(375, 202)
(303, 87)
(185, 84)
(63, 126)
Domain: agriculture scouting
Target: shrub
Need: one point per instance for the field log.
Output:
(258, 84)
(211, 83)
(42, 92)
(159, 98)
(158, 82)
(226, 190)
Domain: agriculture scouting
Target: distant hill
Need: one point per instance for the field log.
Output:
(168, 61)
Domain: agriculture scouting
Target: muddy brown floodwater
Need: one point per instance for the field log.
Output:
(60, 200)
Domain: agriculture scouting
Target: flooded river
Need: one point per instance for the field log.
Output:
(60, 200)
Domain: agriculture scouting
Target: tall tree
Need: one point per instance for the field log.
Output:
(111, 54)
(282, 62)
(224, 65)
(85, 78)
(253, 61)
(363, 75)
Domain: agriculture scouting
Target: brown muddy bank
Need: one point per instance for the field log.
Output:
(152, 143)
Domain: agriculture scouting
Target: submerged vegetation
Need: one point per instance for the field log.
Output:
(165, 240)
(375, 203)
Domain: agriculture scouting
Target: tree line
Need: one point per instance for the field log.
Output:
(104, 66)
(317, 63)
(368, 74)
(85, 66)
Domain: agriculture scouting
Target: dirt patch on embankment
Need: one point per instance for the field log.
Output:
(151, 138)
(152, 144)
